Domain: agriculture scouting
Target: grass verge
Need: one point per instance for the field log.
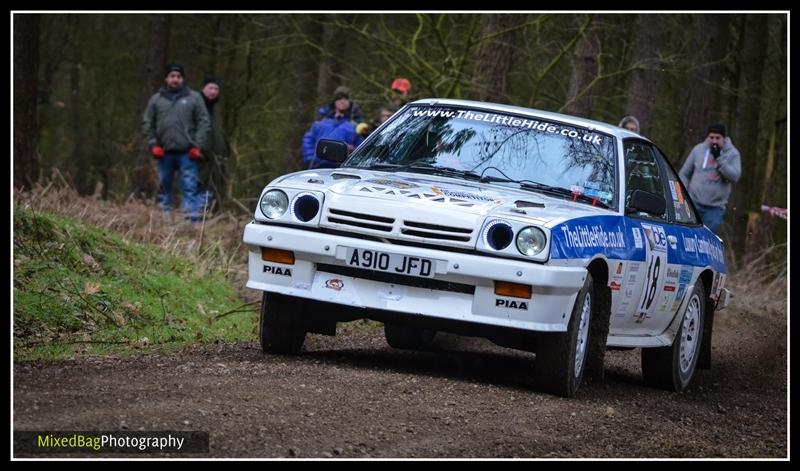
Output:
(82, 290)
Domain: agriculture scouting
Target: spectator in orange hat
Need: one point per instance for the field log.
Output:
(400, 89)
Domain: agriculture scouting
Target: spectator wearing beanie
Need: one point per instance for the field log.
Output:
(175, 125)
(352, 113)
(709, 172)
(213, 175)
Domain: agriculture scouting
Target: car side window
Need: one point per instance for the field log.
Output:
(678, 197)
(642, 172)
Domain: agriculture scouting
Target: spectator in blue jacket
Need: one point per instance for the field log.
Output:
(338, 127)
(328, 110)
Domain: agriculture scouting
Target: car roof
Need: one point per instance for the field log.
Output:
(564, 118)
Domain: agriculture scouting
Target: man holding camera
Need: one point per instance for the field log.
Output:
(710, 170)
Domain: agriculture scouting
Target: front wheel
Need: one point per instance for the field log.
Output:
(672, 368)
(280, 326)
(561, 356)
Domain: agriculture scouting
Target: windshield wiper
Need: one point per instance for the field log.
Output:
(426, 168)
(444, 171)
(381, 166)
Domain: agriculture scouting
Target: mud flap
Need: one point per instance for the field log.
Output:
(598, 334)
(704, 360)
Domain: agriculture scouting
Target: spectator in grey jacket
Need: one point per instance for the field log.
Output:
(710, 170)
(176, 126)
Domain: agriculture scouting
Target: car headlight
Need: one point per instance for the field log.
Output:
(498, 234)
(531, 241)
(274, 204)
(305, 207)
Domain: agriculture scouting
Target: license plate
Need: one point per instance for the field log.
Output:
(391, 262)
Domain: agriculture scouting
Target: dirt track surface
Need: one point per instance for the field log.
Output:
(352, 396)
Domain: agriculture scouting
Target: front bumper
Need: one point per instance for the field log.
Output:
(320, 272)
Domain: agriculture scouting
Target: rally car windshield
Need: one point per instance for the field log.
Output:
(504, 149)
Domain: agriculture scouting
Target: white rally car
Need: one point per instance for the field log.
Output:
(535, 230)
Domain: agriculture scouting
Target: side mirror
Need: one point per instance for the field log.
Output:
(647, 202)
(333, 151)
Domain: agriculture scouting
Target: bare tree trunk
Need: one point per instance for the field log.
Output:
(648, 39)
(584, 71)
(494, 58)
(307, 66)
(158, 35)
(143, 178)
(744, 133)
(707, 49)
(334, 42)
(751, 59)
(26, 77)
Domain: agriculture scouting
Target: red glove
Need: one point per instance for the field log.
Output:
(157, 151)
(194, 153)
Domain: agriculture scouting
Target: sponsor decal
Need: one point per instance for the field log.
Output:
(584, 237)
(464, 195)
(510, 304)
(695, 245)
(624, 305)
(637, 238)
(670, 288)
(602, 195)
(678, 192)
(615, 286)
(619, 268)
(512, 121)
(334, 284)
(273, 270)
(672, 274)
(655, 237)
(673, 243)
(392, 183)
(673, 191)
(683, 281)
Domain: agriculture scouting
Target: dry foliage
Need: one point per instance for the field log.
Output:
(760, 286)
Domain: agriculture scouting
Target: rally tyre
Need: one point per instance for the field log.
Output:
(672, 368)
(561, 356)
(408, 338)
(280, 326)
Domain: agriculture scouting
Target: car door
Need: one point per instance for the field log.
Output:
(638, 310)
(683, 230)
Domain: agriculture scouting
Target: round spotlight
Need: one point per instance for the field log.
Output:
(531, 241)
(274, 204)
(305, 207)
(498, 234)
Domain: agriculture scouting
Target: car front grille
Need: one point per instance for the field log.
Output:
(435, 231)
(367, 221)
